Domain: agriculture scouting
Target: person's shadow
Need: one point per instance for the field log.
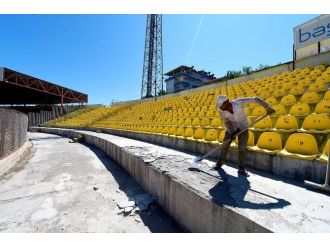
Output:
(232, 191)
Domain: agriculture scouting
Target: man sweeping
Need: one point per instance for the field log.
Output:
(234, 118)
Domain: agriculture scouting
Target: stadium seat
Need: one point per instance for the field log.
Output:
(297, 90)
(188, 132)
(317, 87)
(199, 133)
(264, 124)
(327, 95)
(269, 142)
(286, 123)
(221, 135)
(324, 157)
(211, 135)
(216, 122)
(279, 93)
(310, 97)
(179, 131)
(271, 101)
(205, 122)
(195, 122)
(172, 130)
(323, 107)
(300, 109)
(279, 110)
(300, 145)
(317, 122)
(288, 100)
(258, 111)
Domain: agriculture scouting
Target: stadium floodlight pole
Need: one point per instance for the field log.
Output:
(152, 78)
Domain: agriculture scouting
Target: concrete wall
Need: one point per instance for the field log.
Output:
(13, 131)
(287, 167)
(37, 118)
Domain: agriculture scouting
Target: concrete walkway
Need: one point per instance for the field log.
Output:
(68, 187)
(277, 204)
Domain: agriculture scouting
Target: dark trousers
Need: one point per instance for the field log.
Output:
(242, 146)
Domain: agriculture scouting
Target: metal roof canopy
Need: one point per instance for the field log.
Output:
(18, 88)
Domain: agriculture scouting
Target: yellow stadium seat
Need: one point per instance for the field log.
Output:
(323, 107)
(264, 94)
(209, 114)
(279, 110)
(179, 131)
(199, 133)
(325, 153)
(211, 135)
(258, 111)
(297, 90)
(300, 145)
(310, 97)
(286, 123)
(305, 82)
(279, 93)
(165, 130)
(172, 130)
(271, 101)
(300, 109)
(187, 122)
(265, 123)
(201, 114)
(317, 122)
(247, 111)
(269, 142)
(221, 135)
(216, 122)
(188, 132)
(180, 122)
(205, 122)
(159, 130)
(288, 100)
(195, 122)
(327, 95)
(317, 87)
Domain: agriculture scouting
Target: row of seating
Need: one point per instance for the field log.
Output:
(301, 99)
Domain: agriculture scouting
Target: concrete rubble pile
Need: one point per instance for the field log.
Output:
(135, 204)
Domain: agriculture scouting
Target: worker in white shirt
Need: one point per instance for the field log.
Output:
(234, 118)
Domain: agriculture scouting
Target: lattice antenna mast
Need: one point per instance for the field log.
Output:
(152, 78)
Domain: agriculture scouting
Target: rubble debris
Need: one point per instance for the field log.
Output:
(128, 209)
(138, 204)
(126, 204)
(132, 213)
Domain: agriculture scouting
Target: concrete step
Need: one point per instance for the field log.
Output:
(202, 200)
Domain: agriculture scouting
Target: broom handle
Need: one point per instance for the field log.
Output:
(230, 140)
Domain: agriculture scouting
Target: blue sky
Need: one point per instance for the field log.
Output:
(102, 55)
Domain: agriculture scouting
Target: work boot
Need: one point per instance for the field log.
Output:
(243, 173)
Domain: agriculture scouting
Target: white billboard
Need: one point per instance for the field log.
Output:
(312, 31)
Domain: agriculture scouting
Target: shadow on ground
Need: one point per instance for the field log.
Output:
(232, 191)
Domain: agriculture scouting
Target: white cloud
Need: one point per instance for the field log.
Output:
(195, 38)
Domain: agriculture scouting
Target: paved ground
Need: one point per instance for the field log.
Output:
(278, 204)
(64, 187)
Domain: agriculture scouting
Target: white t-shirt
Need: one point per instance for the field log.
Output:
(238, 118)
